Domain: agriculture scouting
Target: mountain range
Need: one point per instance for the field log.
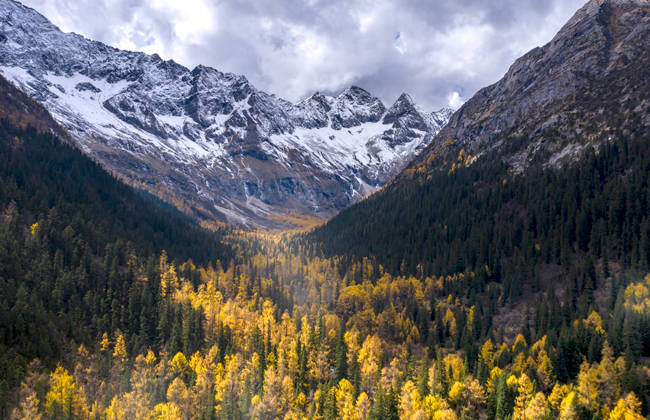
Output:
(502, 274)
(513, 157)
(207, 141)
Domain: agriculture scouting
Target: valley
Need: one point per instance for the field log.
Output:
(361, 262)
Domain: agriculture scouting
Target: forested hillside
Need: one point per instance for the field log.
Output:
(97, 321)
(481, 215)
(543, 166)
(69, 232)
(503, 275)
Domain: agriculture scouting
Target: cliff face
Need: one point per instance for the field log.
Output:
(209, 141)
(552, 102)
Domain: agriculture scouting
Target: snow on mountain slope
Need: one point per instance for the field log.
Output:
(207, 141)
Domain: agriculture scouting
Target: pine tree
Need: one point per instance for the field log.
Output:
(340, 357)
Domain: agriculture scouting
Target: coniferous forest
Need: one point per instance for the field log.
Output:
(485, 295)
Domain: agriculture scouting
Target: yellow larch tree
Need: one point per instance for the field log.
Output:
(345, 403)
(628, 408)
(524, 396)
(369, 358)
(63, 400)
(410, 401)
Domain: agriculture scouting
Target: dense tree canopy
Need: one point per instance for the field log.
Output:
(507, 297)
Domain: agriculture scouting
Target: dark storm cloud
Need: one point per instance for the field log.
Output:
(441, 52)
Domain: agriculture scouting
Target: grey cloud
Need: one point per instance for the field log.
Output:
(293, 48)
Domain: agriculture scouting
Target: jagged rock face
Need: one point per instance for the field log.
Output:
(209, 141)
(354, 107)
(592, 79)
(407, 120)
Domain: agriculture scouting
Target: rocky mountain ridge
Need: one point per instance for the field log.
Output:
(207, 141)
(554, 152)
(587, 85)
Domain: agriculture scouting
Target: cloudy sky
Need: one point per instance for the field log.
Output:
(439, 51)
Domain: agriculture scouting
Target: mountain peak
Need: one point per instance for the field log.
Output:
(319, 101)
(354, 91)
(403, 106)
(406, 98)
(588, 68)
(592, 6)
(355, 94)
(598, 12)
(445, 112)
(355, 106)
(203, 138)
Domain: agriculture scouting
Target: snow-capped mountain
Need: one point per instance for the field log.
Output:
(207, 141)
